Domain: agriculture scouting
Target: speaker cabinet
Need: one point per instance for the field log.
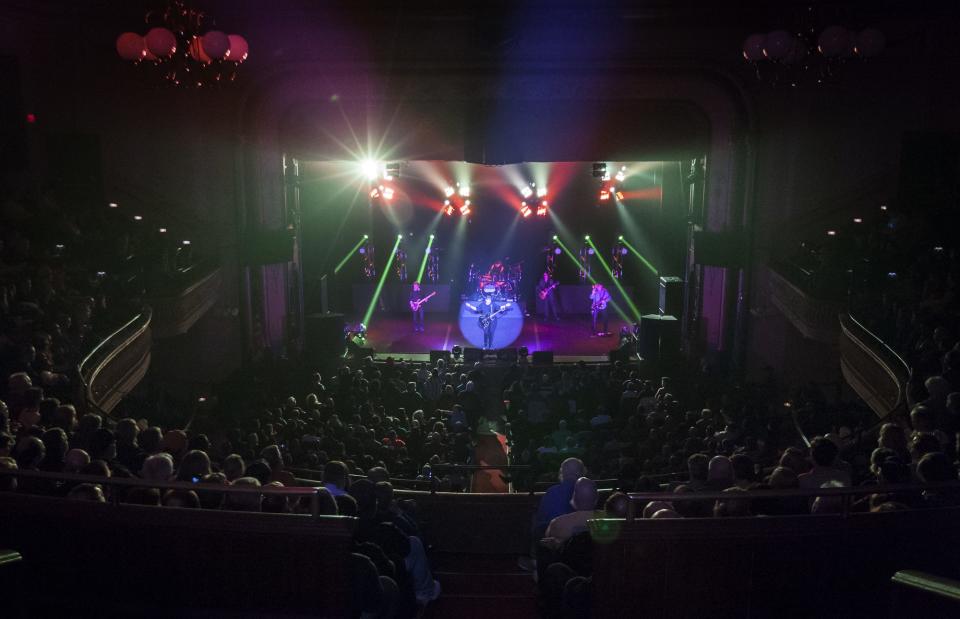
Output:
(472, 355)
(507, 354)
(659, 337)
(543, 357)
(671, 296)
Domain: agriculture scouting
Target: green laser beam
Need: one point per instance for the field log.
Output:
(634, 251)
(423, 263)
(576, 261)
(350, 254)
(379, 289)
(616, 282)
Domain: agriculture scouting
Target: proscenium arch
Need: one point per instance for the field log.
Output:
(267, 107)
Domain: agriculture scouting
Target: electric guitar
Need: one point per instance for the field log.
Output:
(599, 305)
(486, 320)
(543, 293)
(415, 305)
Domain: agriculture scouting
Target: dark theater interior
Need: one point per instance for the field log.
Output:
(529, 309)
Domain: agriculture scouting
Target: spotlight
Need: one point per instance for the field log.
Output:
(831, 233)
(447, 208)
(365, 236)
(161, 230)
(621, 173)
(388, 193)
(400, 236)
(857, 220)
(370, 168)
(525, 210)
(586, 238)
(113, 205)
(620, 238)
(431, 236)
(185, 242)
(138, 217)
(554, 237)
(465, 209)
(375, 193)
(448, 191)
(619, 195)
(883, 207)
(526, 192)
(464, 190)
(599, 170)
(542, 209)
(604, 195)
(541, 191)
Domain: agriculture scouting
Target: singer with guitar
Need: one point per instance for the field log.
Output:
(488, 318)
(416, 306)
(545, 291)
(599, 298)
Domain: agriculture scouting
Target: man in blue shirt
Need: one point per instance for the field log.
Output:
(555, 502)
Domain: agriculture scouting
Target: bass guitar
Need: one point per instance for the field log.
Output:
(415, 305)
(486, 320)
(543, 293)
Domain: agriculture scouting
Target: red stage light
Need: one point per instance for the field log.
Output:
(604, 195)
(31, 118)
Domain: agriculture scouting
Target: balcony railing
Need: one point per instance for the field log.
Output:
(871, 368)
(174, 312)
(118, 363)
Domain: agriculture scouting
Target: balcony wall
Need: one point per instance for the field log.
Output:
(814, 317)
(118, 363)
(872, 368)
(178, 310)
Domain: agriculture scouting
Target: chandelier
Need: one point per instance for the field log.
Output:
(182, 48)
(809, 54)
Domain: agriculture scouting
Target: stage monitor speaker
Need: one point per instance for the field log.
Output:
(268, 247)
(719, 249)
(671, 296)
(439, 354)
(323, 335)
(507, 354)
(472, 355)
(543, 357)
(659, 337)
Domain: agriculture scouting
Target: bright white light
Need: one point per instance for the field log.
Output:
(138, 217)
(162, 230)
(464, 191)
(620, 175)
(388, 193)
(186, 242)
(541, 191)
(449, 191)
(526, 192)
(113, 205)
(371, 169)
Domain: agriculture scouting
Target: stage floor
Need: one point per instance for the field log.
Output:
(568, 338)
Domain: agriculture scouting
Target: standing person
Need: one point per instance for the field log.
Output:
(488, 318)
(547, 293)
(416, 306)
(599, 298)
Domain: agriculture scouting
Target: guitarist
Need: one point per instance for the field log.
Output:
(416, 307)
(488, 319)
(599, 298)
(546, 290)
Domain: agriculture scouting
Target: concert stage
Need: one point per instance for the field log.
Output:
(570, 338)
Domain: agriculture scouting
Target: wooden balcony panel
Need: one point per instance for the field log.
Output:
(175, 313)
(815, 318)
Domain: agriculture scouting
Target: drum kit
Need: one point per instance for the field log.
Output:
(501, 281)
